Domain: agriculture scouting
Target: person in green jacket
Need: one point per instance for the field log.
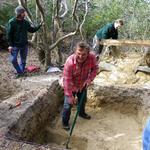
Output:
(108, 31)
(17, 30)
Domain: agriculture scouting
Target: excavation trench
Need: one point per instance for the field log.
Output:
(118, 116)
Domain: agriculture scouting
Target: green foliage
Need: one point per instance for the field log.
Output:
(137, 19)
(48, 11)
(101, 15)
(6, 13)
(134, 13)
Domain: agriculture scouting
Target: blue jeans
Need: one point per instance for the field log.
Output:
(146, 136)
(23, 56)
(66, 112)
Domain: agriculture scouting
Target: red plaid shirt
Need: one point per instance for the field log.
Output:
(76, 74)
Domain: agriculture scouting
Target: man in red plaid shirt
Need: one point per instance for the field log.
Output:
(79, 71)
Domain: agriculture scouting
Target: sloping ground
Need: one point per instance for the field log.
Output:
(118, 116)
(112, 127)
(9, 85)
(118, 103)
(120, 72)
(38, 104)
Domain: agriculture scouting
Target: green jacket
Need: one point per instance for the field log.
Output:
(17, 32)
(108, 31)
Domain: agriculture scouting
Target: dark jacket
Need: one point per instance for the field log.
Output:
(107, 32)
(17, 32)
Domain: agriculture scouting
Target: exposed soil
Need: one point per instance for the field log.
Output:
(112, 127)
(9, 85)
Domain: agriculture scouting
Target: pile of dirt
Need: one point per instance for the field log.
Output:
(7, 86)
(8, 83)
(123, 71)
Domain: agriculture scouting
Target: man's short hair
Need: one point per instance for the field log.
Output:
(83, 45)
(120, 21)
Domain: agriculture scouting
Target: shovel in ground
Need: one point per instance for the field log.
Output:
(74, 121)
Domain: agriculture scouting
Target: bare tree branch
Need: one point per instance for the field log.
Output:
(57, 18)
(63, 4)
(62, 38)
(53, 27)
(57, 8)
(74, 11)
(76, 18)
(44, 36)
(24, 5)
(86, 11)
(41, 10)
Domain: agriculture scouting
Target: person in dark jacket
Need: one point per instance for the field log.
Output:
(108, 31)
(17, 30)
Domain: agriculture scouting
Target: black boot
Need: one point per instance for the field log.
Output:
(85, 116)
(66, 127)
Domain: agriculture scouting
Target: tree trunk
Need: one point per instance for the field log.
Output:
(47, 59)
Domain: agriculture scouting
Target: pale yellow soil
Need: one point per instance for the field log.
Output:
(112, 127)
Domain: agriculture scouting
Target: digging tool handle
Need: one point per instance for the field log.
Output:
(75, 118)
